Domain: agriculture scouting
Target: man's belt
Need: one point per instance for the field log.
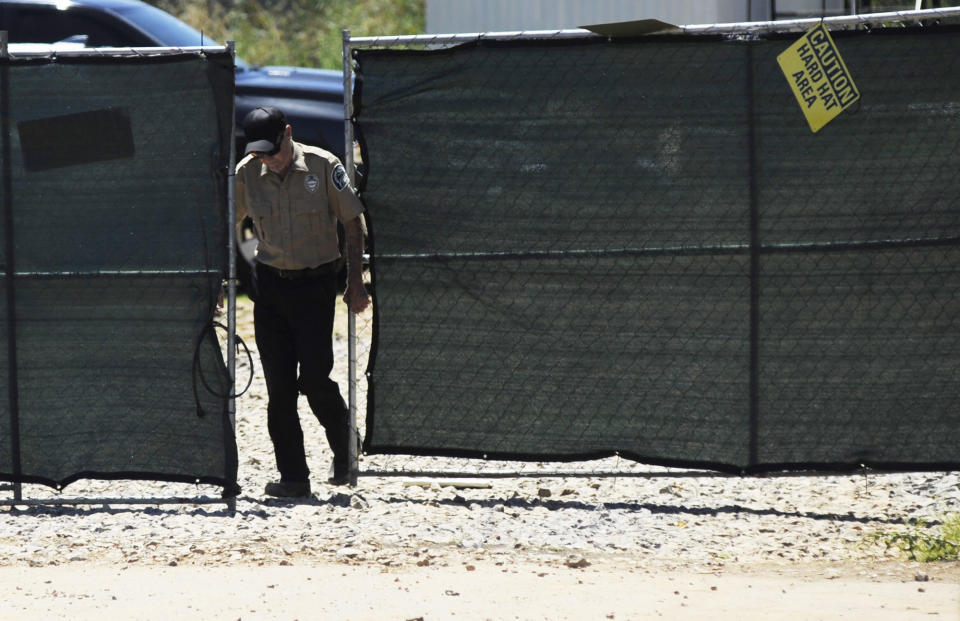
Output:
(321, 270)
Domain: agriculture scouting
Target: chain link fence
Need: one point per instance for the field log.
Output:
(632, 255)
(114, 236)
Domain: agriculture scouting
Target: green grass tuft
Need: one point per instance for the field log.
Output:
(920, 544)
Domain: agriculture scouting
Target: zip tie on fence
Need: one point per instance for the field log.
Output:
(198, 369)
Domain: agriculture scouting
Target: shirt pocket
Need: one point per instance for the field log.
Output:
(263, 213)
(309, 219)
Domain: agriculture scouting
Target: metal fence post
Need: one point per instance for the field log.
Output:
(232, 280)
(7, 199)
(351, 319)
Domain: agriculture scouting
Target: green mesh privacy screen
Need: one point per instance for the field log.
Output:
(589, 247)
(112, 239)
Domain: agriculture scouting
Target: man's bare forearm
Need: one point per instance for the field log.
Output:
(356, 294)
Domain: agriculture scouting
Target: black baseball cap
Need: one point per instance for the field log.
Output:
(264, 127)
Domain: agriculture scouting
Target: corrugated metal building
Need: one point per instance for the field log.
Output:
(452, 16)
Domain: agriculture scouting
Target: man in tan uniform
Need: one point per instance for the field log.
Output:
(295, 194)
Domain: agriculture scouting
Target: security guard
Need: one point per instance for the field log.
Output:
(295, 194)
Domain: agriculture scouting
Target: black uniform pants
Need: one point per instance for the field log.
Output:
(293, 320)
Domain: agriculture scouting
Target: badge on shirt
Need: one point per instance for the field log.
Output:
(340, 179)
(311, 183)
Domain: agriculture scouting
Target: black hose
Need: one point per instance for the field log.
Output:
(198, 369)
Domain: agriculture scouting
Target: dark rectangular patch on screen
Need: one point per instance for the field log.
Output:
(72, 139)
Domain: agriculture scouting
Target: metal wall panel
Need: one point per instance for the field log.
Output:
(447, 16)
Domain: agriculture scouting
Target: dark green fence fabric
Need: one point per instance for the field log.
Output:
(590, 247)
(113, 248)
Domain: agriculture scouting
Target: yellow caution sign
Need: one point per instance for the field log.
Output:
(818, 77)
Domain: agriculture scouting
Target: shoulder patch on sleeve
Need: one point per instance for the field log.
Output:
(340, 179)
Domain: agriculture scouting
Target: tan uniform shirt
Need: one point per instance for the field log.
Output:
(295, 217)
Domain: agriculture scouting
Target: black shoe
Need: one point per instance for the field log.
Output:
(339, 479)
(288, 489)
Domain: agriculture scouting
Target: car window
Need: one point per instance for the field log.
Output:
(40, 24)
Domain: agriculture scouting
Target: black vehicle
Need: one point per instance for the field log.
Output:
(311, 98)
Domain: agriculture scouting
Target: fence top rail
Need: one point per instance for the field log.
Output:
(865, 19)
(41, 50)
(838, 21)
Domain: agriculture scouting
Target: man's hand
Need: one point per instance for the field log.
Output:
(356, 297)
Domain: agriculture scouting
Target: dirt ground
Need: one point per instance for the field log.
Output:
(527, 589)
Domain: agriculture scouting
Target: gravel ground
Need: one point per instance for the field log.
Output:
(822, 527)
